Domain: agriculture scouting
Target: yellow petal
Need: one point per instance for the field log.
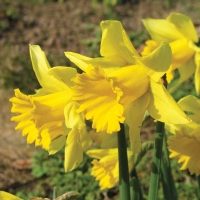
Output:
(115, 42)
(53, 104)
(100, 153)
(73, 151)
(57, 144)
(41, 67)
(8, 196)
(105, 169)
(23, 108)
(187, 147)
(197, 73)
(158, 61)
(81, 61)
(163, 107)
(132, 80)
(184, 24)
(162, 30)
(134, 118)
(191, 104)
(30, 111)
(150, 45)
(86, 64)
(182, 52)
(98, 99)
(63, 74)
(72, 117)
(186, 70)
(170, 74)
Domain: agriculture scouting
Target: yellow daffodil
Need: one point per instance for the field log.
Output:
(121, 86)
(8, 196)
(184, 145)
(49, 117)
(177, 30)
(105, 166)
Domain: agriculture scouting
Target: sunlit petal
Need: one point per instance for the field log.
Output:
(162, 30)
(184, 24)
(163, 107)
(115, 42)
(134, 118)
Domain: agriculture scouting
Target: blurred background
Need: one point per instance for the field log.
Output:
(58, 26)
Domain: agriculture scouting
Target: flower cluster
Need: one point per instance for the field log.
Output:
(119, 87)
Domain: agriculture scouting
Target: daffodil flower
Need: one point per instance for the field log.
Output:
(177, 30)
(121, 86)
(184, 144)
(105, 167)
(8, 196)
(49, 118)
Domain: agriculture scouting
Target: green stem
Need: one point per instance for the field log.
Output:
(198, 190)
(136, 191)
(124, 186)
(156, 165)
(169, 188)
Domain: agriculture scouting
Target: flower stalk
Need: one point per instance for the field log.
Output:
(124, 185)
(135, 186)
(198, 188)
(161, 164)
(156, 165)
(169, 188)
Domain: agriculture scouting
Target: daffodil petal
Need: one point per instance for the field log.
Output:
(158, 61)
(162, 30)
(115, 42)
(182, 52)
(100, 153)
(57, 144)
(186, 70)
(63, 74)
(134, 118)
(132, 80)
(197, 73)
(86, 64)
(191, 104)
(72, 117)
(41, 67)
(163, 107)
(81, 61)
(187, 147)
(149, 46)
(73, 151)
(8, 196)
(105, 169)
(170, 74)
(184, 24)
